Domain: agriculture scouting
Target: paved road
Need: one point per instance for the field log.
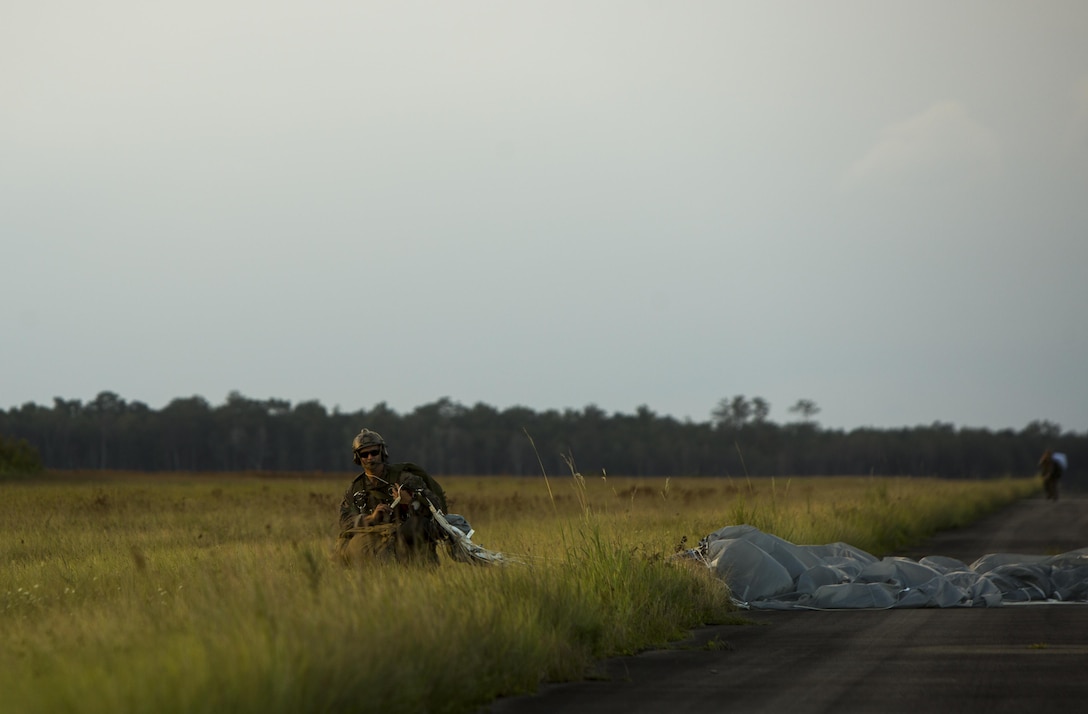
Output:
(1010, 659)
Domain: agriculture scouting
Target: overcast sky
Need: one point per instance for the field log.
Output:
(881, 207)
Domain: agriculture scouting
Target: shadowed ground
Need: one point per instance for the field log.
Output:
(1014, 658)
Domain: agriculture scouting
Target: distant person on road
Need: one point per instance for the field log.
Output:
(1051, 468)
(386, 512)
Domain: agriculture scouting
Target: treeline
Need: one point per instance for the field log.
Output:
(446, 437)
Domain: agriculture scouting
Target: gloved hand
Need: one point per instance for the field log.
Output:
(382, 514)
(405, 495)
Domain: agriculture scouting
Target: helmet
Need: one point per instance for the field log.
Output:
(364, 440)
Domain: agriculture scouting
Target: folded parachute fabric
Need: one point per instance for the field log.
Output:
(764, 571)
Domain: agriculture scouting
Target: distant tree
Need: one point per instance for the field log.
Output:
(806, 409)
(311, 445)
(1043, 428)
(106, 409)
(761, 409)
(187, 432)
(732, 413)
(244, 423)
(742, 410)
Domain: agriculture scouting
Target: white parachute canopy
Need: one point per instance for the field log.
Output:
(766, 572)
(459, 536)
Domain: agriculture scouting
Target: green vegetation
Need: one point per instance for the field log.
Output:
(445, 437)
(124, 592)
(18, 457)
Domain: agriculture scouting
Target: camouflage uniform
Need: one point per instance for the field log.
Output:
(409, 532)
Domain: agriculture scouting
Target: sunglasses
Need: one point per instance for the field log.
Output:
(368, 454)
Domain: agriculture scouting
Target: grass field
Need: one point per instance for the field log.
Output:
(130, 592)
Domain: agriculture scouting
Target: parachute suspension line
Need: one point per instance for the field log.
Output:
(462, 548)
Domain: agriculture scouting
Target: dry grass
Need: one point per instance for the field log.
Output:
(182, 594)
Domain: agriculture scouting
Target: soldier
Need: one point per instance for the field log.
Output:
(386, 514)
(1051, 466)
